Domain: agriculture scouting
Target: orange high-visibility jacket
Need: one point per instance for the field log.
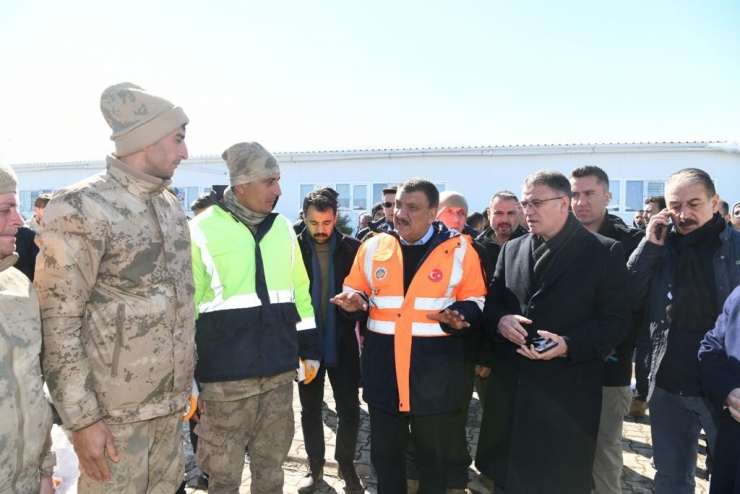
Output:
(450, 273)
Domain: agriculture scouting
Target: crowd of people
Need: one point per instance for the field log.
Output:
(541, 303)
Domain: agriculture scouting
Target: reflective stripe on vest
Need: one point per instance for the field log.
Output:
(421, 329)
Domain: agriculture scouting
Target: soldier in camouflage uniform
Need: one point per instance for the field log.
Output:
(116, 291)
(26, 460)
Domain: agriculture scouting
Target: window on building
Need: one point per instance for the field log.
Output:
(634, 197)
(654, 188)
(359, 198)
(304, 190)
(639, 190)
(615, 187)
(344, 195)
(378, 193)
(26, 198)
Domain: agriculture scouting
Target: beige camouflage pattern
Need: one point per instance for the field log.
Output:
(249, 162)
(150, 459)
(116, 290)
(257, 412)
(25, 427)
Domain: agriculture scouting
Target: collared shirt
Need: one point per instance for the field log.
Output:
(423, 240)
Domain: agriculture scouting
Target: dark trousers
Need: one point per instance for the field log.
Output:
(458, 456)
(643, 351)
(389, 437)
(345, 381)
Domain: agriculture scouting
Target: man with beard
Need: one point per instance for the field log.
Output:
(504, 217)
(255, 325)
(328, 255)
(568, 287)
(591, 196)
(682, 278)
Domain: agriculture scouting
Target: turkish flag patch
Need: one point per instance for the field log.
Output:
(435, 275)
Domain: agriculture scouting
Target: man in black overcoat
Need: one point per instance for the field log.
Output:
(562, 283)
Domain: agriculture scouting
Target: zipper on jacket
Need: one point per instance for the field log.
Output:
(119, 340)
(18, 411)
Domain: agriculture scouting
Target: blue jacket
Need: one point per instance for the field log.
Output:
(719, 355)
(652, 270)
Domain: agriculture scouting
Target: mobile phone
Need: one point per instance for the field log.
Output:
(659, 232)
(541, 344)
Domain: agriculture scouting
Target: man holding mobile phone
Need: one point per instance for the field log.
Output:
(561, 283)
(682, 278)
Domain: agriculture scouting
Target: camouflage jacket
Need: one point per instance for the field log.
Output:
(25, 439)
(116, 289)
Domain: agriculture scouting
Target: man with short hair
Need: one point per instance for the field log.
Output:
(328, 255)
(638, 221)
(504, 219)
(590, 188)
(423, 286)
(682, 278)
(255, 325)
(38, 211)
(363, 219)
(201, 203)
(653, 206)
(724, 210)
(384, 224)
(116, 291)
(569, 287)
(476, 221)
(25, 430)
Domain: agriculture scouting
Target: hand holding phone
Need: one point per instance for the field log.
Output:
(542, 344)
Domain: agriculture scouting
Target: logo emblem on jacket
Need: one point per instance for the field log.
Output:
(380, 273)
(435, 275)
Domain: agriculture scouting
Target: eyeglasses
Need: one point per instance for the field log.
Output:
(536, 203)
(387, 204)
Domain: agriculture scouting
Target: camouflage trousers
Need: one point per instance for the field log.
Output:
(150, 458)
(257, 413)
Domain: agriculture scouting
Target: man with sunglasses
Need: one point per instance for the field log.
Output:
(567, 286)
(384, 224)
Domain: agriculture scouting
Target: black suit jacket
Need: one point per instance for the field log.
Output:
(546, 413)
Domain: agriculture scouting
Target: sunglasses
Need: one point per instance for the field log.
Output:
(387, 204)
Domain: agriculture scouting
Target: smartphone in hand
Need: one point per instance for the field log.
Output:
(541, 344)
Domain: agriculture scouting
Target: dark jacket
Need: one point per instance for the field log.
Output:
(27, 250)
(719, 363)
(374, 227)
(342, 258)
(494, 248)
(541, 435)
(618, 369)
(652, 270)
